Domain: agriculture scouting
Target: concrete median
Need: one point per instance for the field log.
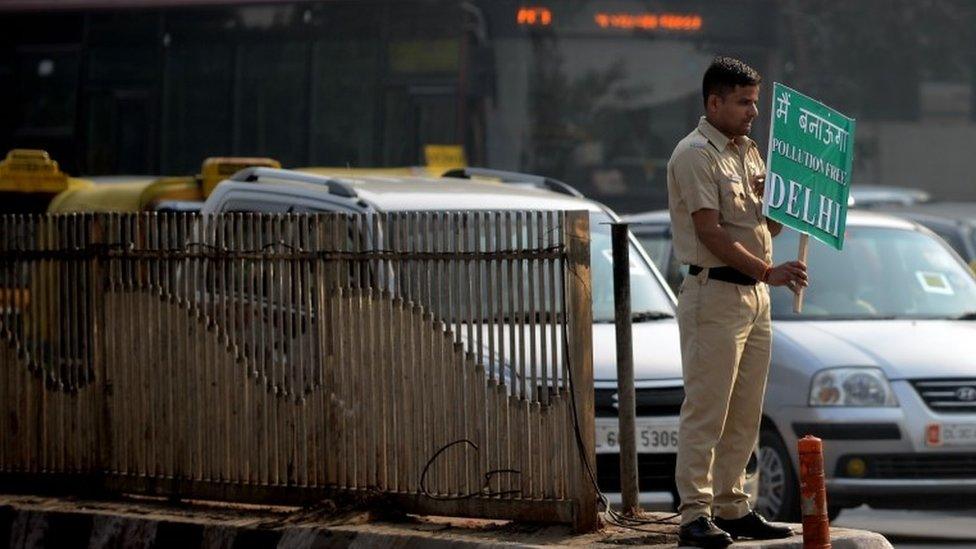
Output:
(32, 521)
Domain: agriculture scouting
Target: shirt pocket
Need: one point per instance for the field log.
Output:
(732, 195)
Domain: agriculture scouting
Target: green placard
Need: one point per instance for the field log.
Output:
(811, 150)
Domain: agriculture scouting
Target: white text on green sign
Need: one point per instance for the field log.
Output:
(809, 166)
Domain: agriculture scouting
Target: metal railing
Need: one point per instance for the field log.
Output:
(439, 360)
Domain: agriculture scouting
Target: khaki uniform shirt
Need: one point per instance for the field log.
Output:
(710, 171)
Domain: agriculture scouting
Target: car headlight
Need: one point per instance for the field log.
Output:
(851, 387)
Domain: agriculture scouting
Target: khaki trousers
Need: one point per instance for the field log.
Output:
(725, 349)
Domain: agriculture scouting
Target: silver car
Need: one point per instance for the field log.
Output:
(657, 359)
(881, 365)
(874, 196)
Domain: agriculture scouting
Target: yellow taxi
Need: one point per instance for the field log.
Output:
(148, 193)
(29, 179)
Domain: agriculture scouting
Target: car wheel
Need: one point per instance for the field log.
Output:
(778, 488)
(751, 485)
(833, 512)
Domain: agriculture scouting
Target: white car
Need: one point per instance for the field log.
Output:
(874, 196)
(881, 365)
(657, 360)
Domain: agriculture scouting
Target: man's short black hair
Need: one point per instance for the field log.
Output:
(724, 74)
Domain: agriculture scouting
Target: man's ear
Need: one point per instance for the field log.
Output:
(713, 103)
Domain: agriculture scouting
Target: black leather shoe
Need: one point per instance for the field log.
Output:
(702, 532)
(753, 526)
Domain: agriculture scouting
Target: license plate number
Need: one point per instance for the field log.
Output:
(951, 434)
(657, 436)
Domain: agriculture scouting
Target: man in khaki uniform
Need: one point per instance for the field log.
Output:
(715, 197)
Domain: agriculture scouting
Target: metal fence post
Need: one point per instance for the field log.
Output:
(97, 284)
(627, 413)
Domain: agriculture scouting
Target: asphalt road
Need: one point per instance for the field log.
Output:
(915, 529)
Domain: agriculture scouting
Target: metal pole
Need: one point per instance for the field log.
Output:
(627, 412)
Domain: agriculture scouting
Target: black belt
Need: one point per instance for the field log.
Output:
(725, 274)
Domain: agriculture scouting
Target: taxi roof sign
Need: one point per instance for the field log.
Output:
(444, 157)
(218, 168)
(31, 171)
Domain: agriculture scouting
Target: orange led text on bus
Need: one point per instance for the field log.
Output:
(534, 17)
(649, 21)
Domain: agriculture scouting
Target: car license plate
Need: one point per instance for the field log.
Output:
(654, 435)
(951, 434)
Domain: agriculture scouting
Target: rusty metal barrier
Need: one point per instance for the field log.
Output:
(441, 361)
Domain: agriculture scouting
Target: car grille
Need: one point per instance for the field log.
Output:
(655, 472)
(948, 395)
(915, 466)
(665, 401)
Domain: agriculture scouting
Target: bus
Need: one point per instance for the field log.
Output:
(591, 92)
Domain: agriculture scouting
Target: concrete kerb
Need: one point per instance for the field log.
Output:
(31, 521)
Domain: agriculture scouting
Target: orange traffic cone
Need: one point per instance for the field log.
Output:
(813, 494)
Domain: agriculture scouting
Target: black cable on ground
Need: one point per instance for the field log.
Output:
(485, 490)
(616, 518)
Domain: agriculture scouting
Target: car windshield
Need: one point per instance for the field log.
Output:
(881, 273)
(658, 246)
(972, 239)
(647, 296)
(948, 232)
